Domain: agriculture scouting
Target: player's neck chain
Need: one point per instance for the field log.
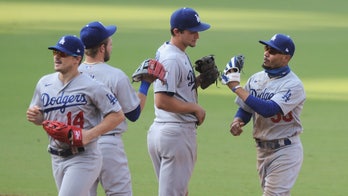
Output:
(92, 63)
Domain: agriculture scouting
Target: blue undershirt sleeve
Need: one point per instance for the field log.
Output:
(265, 108)
(133, 115)
(243, 115)
(144, 87)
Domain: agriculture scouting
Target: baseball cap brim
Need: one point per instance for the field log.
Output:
(111, 30)
(61, 49)
(201, 27)
(271, 45)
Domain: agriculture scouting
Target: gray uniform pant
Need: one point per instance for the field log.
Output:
(279, 168)
(115, 176)
(74, 175)
(173, 151)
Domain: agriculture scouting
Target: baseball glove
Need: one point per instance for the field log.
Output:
(64, 133)
(232, 70)
(209, 72)
(152, 68)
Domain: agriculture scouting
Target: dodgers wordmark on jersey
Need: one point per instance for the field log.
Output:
(74, 103)
(288, 93)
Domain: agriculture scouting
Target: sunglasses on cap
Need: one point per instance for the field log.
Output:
(272, 51)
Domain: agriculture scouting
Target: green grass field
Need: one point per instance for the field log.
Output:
(226, 165)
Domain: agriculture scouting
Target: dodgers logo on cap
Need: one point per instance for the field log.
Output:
(187, 19)
(69, 44)
(282, 43)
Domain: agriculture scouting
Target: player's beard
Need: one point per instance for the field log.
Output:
(106, 56)
(266, 67)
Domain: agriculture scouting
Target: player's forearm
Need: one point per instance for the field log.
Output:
(108, 123)
(266, 108)
(238, 89)
(142, 94)
(243, 94)
(142, 98)
(172, 104)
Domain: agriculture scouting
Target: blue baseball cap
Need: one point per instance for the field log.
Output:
(187, 19)
(281, 42)
(95, 32)
(69, 44)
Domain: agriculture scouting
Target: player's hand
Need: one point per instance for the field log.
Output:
(200, 115)
(149, 70)
(236, 127)
(148, 78)
(35, 115)
(232, 70)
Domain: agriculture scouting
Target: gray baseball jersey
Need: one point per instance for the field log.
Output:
(115, 175)
(82, 102)
(278, 168)
(288, 92)
(119, 84)
(180, 81)
(171, 138)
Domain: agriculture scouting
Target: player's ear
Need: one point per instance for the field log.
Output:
(177, 31)
(104, 44)
(287, 57)
(102, 48)
(78, 59)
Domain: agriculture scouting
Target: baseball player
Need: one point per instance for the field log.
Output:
(274, 98)
(172, 136)
(115, 176)
(74, 99)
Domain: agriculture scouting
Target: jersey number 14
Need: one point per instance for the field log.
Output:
(78, 120)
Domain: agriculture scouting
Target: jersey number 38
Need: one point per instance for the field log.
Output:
(279, 117)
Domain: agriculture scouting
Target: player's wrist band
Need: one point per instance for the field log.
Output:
(144, 87)
(235, 88)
